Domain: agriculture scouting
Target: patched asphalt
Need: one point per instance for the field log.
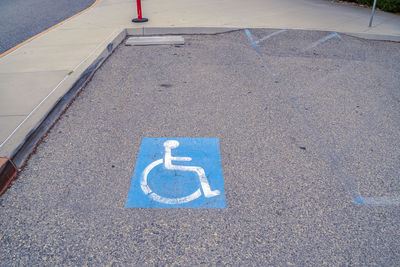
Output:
(305, 134)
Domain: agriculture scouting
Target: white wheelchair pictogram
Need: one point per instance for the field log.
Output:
(168, 158)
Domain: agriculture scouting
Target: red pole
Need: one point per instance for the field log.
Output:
(139, 12)
(139, 9)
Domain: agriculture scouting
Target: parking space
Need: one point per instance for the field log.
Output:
(307, 125)
(352, 111)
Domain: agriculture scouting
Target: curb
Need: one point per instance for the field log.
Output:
(185, 30)
(378, 37)
(27, 146)
(217, 30)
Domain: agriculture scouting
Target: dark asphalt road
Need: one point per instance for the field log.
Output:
(20, 20)
(303, 133)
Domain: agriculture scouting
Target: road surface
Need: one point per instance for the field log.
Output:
(309, 130)
(20, 20)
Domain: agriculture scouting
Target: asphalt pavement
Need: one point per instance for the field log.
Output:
(308, 124)
(20, 20)
(36, 75)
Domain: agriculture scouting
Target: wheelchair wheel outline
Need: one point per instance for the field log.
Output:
(146, 189)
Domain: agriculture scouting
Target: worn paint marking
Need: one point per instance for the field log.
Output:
(270, 35)
(253, 43)
(377, 201)
(163, 180)
(322, 40)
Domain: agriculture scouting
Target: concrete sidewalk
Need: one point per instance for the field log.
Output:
(45, 74)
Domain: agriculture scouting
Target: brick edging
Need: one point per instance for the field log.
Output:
(8, 171)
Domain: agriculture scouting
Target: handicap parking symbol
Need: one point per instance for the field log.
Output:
(177, 173)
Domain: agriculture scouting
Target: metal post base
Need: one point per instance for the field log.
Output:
(140, 20)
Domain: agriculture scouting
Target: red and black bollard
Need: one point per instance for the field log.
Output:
(139, 12)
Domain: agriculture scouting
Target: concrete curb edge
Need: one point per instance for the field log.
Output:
(27, 146)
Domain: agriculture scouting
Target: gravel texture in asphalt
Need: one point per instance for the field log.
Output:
(306, 132)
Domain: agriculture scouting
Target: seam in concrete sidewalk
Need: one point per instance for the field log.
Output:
(22, 152)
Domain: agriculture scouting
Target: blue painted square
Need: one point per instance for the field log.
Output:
(177, 173)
